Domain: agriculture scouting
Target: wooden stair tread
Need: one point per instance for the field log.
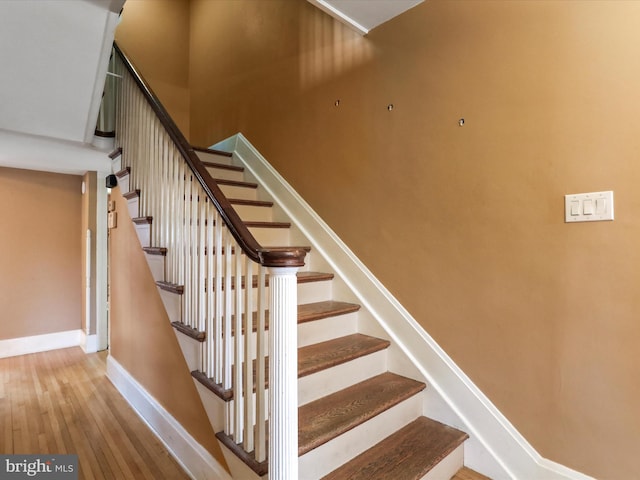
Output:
(311, 359)
(124, 172)
(155, 250)
(302, 277)
(212, 151)
(223, 166)
(467, 474)
(132, 194)
(235, 183)
(324, 355)
(409, 454)
(142, 220)
(306, 312)
(309, 312)
(324, 419)
(252, 203)
(267, 224)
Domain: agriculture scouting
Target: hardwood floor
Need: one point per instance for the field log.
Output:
(61, 402)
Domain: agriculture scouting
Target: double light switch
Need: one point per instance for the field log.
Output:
(588, 207)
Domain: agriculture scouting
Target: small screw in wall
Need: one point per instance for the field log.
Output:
(390, 107)
(337, 103)
(461, 122)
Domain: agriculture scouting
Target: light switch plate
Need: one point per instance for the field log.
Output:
(588, 207)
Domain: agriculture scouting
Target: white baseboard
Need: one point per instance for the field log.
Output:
(89, 343)
(507, 454)
(195, 459)
(39, 343)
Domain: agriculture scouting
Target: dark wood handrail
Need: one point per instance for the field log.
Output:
(269, 257)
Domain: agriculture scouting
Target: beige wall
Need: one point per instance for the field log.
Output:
(464, 224)
(155, 36)
(141, 337)
(40, 263)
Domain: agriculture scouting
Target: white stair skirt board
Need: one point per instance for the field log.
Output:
(195, 459)
(498, 449)
(13, 347)
(133, 205)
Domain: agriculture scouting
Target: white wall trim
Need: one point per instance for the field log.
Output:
(13, 347)
(194, 458)
(509, 449)
(89, 343)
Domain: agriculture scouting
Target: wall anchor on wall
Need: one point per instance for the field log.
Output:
(461, 122)
(337, 103)
(390, 107)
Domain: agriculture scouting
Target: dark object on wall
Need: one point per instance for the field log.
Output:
(112, 181)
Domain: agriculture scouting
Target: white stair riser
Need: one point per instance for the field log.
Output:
(213, 405)
(448, 466)
(226, 174)
(116, 166)
(144, 234)
(214, 158)
(156, 265)
(322, 460)
(123, 183)
(172, 304)
(191, 349)
(271, 236)
(133, 205)
(331, 380)
(237, 467)
(244, 193)
(251, 213)
(326, 329)
(314, 292)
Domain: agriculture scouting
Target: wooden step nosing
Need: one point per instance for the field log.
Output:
(223, 166)
(249, 459)
(124, 172)
(223, 394)
(250, 203)
(170, 287)
(236, 183)
(155, 251)
(212, 151)
(116, 153)
(251, 224)
(189, 331)
(142, 220)
(132, 194)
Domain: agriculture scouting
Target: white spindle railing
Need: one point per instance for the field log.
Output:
(209, 255)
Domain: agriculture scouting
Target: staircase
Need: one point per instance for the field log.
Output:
(358, 416)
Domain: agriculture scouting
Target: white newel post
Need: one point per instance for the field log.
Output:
(283, 374)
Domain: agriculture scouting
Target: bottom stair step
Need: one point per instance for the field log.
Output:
(408, 454)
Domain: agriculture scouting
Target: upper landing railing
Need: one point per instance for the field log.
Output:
(210, 256)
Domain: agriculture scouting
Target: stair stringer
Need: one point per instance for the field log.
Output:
(495, 447)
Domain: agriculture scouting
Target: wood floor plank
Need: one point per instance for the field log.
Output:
(61, 402)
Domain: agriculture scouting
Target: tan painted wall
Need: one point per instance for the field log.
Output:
(464, 224)
(40, 263)
(155, 36)
(142, 339)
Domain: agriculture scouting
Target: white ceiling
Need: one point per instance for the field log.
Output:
(365, 15)
(54, 57)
